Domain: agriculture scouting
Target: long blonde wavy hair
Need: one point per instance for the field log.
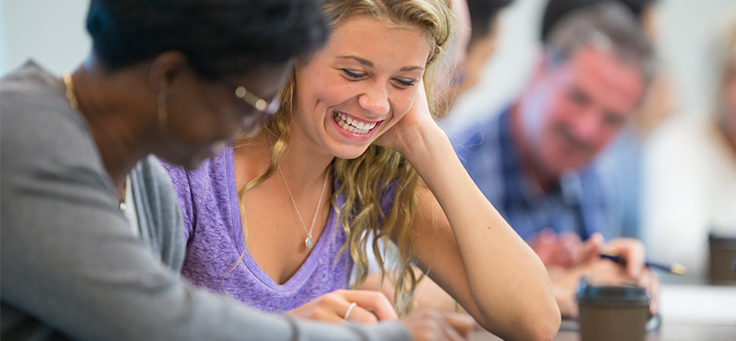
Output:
(365, 178)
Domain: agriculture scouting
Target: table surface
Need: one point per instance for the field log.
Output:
(668, 332)
(689, 313)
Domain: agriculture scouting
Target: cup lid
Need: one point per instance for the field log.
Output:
(612, 295)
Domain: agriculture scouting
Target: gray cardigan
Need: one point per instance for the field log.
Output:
(71, 265)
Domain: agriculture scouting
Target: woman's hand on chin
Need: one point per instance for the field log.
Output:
(370, 307)
(409, 134)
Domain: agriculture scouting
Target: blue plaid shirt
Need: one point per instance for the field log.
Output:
(578, 203)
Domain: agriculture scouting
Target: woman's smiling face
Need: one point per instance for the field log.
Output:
(359, 85)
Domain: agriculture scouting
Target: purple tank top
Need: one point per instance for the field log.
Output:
(214, 236)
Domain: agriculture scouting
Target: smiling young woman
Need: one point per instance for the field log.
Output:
(173, 78)
(356, 116)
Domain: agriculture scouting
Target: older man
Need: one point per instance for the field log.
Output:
(533, 161)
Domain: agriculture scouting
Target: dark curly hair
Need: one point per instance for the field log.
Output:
(219, 37)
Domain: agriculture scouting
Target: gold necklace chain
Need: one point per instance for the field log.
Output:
(69, 86)
(308, 242)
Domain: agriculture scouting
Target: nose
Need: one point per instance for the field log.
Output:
(375, 100)
(587, 125)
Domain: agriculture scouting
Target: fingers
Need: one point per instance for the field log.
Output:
(569, 250)
(370, 307)
(360, 315)
(432, 325)
(370, 301)
(632, 250)
(554, 249)
(592, 247)
(544, 244)
(453, 334)
(461, 323)
(650, 281)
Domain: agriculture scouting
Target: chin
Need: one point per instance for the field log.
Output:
(350, 153)
(562, 168)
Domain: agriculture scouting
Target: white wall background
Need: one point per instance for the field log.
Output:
(49, 31)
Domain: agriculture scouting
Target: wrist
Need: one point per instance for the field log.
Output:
(424, 143)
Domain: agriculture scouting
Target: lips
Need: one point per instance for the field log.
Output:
(353, 124)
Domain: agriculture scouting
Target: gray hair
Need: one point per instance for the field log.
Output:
(609, 27)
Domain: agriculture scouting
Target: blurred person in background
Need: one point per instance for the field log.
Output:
(621, 163)
(698, 195)
(534, 161)
(478, 34)
(158, 81)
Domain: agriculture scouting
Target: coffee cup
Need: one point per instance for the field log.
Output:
(612, 313)
(722, 256)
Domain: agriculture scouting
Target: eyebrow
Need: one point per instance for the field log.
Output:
(369, 64)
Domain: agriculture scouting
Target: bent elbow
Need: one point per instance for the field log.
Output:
(544, 327)
(531, 327)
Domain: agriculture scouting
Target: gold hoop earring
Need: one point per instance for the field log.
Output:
(162, 96)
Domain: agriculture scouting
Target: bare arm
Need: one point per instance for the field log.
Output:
(465, 245)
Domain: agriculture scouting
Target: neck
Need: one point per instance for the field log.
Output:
(301, 165)
(529, 163)
(304, 162)
(108, 103)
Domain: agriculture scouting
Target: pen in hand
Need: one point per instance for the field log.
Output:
(675, 268)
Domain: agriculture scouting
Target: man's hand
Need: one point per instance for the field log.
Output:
(557, 250)
(599, 271)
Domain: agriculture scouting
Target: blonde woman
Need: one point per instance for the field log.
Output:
(280, 220)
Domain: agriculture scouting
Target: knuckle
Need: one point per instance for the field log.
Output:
(328, 298)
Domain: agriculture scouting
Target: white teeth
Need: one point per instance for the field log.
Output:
(352, 125)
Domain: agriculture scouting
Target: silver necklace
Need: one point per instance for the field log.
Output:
(308, 242)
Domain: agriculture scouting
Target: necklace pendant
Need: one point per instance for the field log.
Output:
(308, 242)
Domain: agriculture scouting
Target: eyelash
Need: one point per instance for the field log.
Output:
(406, 83)
(351, 75)
(356, 76)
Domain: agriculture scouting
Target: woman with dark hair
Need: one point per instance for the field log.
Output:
(173, 78)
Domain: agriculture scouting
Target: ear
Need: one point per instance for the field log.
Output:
(168, 70)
